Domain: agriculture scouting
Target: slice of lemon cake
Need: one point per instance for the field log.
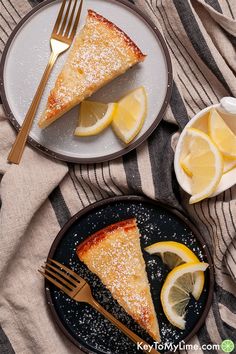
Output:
(115, 256)
(100, 53)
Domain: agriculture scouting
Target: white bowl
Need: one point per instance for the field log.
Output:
(198, 122)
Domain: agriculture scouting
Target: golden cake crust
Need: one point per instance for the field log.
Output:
(98, 236)
(100, 53)
(137, 52)
(114, 255)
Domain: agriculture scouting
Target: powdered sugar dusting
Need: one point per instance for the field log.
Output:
(100, 53)
(84, 323)
(116, 257)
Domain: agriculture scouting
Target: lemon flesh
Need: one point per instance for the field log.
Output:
(186, 165)
(94, 117)
(222, 135)
(205, 163)
(130, 115)
(174, 254)
(228, 162)
(176, 289)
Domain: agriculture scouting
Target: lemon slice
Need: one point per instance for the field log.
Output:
(222, 135)
(173, 254)
(176, 289)
(130, 115)
(205, 163)
(94, 117)
(186, 165)
(229, 164)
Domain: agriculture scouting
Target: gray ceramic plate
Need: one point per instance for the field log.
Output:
(26, 56)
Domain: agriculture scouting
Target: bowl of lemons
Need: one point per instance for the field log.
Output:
(205, 156)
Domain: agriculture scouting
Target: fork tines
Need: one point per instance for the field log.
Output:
(61, 276)
(64, 23)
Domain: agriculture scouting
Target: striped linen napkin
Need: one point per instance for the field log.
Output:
(40, 195)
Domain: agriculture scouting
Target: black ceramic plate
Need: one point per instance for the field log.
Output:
(89, 330)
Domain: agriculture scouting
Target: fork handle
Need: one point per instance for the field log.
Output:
(18, 147)
(134, 337)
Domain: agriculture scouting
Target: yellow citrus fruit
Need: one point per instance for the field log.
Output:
(130, 115)
(228, 162)
(175, 253)
(222, 135)
(176, 289)
(186, 165)
(94, 117)
(205, 162)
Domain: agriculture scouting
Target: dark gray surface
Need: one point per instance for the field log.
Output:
(5, 345)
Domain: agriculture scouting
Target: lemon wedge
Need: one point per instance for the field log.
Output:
(205, 163)
(186, 165)
(130, 115)
(94, 117)
(176, 289)
(222, 135)
(229, 164)
(175, 253)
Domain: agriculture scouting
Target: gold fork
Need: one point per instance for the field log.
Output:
(61, 38)
(79, 290)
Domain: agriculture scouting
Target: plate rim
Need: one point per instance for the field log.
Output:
(125, 149)
(141, 199)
